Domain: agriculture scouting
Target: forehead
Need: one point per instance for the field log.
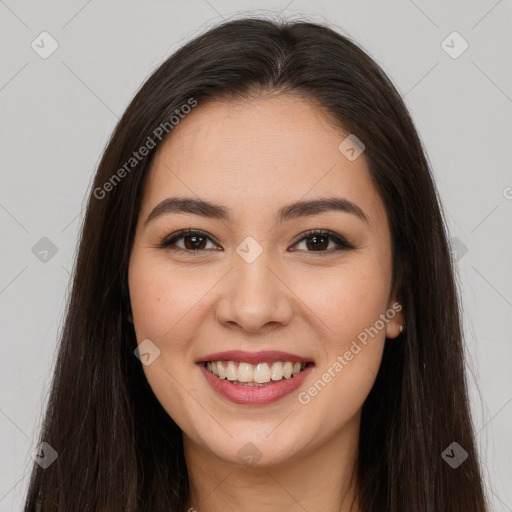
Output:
(256, 155)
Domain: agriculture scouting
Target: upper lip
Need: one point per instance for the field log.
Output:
(254, 357)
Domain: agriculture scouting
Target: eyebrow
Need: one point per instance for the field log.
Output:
(292, 211)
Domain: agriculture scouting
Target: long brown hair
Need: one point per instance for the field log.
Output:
(118, 450)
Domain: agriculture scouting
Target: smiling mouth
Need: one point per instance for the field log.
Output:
(259, 375)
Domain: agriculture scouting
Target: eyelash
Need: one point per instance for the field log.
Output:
(342, 243)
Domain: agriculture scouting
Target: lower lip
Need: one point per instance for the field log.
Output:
(247, 395)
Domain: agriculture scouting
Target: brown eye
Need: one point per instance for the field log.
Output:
(194, 241)
(318, 241)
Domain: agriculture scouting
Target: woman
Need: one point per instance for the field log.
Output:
(263, 312)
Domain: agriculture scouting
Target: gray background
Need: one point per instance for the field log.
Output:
(58, 112)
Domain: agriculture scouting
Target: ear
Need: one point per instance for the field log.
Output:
(395, 313)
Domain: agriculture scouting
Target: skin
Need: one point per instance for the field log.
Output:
(254, 157)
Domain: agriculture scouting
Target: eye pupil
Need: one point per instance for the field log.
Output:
(195, 237)
(317, 245)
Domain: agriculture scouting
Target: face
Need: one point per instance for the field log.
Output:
(256, 277)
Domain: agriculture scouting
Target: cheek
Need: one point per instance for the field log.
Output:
(146, 299)
(354, 306)
(350, 306)
(161, 297)
(159, 303)
(348, 302)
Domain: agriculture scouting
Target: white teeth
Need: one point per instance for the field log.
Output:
(262, 373)
(277, 371)
(221, 371)
(231, 371)
(287, 369)
(245, 372)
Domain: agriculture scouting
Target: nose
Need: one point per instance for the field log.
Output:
(254, 297)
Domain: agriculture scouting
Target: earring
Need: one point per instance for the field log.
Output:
(401, 328)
